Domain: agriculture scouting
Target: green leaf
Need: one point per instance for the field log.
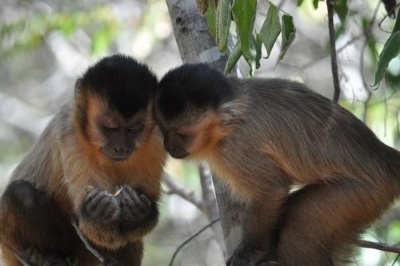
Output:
(233, 58)
(270, 29)
(366, 22)
(288, 34)
(340, 7)
(258, 44)
(101, 42)
(223, 24)
(340, 30)
(300, 2)
(244, 13)
(390, 51)
(315, 3)
(211, 16)
(253, 60)
(397, 24)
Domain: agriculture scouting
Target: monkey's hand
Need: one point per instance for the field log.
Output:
(134, 207)
(101, 206)
(243, 256)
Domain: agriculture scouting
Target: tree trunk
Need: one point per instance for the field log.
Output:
(196, 44)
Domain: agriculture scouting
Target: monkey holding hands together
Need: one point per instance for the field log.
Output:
(263, 136)
(103, 140)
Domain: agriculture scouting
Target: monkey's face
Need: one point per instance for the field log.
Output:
(119, 139)
(177, 141)
(114, 135)
(193, 109)
(193, 140)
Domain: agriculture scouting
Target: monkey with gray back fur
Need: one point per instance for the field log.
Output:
(263, 136)
(104, 140)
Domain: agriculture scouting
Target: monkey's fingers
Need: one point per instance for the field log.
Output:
(145, 199)
(135, 197)
(109, 209)
(93, 195)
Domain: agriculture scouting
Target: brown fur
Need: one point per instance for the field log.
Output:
(281, 134)
(63, 164)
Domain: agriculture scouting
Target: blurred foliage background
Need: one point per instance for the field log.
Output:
(45, 45)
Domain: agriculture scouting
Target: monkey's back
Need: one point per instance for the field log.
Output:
(290, 125)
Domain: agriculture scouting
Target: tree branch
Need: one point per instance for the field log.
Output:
(16, 254)
(332, 40)
(183, 192)
(86, 242)
(190, 239)
(378, 246)
(210, 204)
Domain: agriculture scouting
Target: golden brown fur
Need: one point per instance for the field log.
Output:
(278, 134)
(68, 158)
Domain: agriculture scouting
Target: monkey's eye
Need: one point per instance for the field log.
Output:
(110, 129)
(182, 136)
(135, 129)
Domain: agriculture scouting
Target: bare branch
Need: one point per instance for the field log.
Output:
(86, 242)
(367, 34)
(335, 76)
(16, 254)
(179, 190)
(190, 239)
(378, 246)
(210, 204)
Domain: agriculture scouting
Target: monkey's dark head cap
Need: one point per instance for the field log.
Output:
(127, 85)
(196, 84)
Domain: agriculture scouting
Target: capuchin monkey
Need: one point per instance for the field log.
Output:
(103, 141)
(265, 136)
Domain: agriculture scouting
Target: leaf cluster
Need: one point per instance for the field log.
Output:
(28, 33)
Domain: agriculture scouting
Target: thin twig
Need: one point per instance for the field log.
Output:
(387, 15)
(367, 34)
(210, 204)
(179, 190)
(190, 239)
(378, 246)
(335, 76)
(86, 243)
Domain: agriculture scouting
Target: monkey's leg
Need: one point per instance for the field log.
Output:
(258, 245)
(322, 219)
(129, 255)
(32, 225)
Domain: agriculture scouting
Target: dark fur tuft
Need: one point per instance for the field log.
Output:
(198, 84)
(127, 85)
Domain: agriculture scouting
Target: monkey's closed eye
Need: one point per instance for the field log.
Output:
(110, 129)
(182, 136)
(135, 129)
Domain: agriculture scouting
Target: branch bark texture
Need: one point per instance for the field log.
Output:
(332, 40)
(196, 44)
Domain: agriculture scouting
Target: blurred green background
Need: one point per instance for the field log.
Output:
(46, 45)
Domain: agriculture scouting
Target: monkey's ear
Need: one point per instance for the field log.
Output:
(228, 113)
